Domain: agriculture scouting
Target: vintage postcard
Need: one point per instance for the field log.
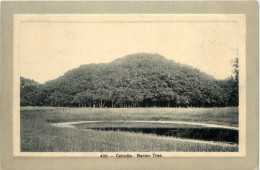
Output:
(129, 85)
(93, 85)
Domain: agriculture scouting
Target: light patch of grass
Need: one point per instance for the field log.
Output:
(134, 125)
(221, 116)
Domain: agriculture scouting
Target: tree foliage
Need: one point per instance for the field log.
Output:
(137, 80)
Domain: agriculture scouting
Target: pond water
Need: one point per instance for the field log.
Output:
(173, 130)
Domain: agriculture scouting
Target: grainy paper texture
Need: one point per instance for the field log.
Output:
(248, 138)
(208, 42)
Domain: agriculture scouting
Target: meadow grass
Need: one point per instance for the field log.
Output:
(221, 116)
(37, 134)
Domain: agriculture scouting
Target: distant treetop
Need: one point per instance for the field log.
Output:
(136, 80)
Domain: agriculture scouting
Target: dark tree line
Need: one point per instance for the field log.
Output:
(138, 80)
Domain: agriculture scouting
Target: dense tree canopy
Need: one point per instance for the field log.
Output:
(28, 88)
(137, 80)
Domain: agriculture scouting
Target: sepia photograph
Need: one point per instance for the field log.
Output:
(129, 85)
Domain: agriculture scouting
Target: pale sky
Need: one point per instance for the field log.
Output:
(49, 49)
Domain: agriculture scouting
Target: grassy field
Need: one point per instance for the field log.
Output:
(37, 133)
(221, 116)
